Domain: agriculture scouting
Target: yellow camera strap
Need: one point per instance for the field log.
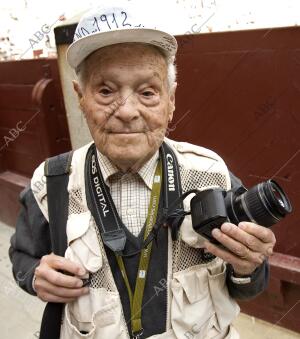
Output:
(136, 298)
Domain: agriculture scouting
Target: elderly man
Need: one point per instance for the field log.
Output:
(110, 279)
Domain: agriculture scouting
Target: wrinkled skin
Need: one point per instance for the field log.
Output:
(127, 102)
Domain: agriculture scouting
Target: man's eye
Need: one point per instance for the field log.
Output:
(105, 91)
(148, 93)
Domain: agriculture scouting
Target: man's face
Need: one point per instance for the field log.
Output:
(127, 102)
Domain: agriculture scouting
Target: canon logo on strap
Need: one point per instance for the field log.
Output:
(170, 168)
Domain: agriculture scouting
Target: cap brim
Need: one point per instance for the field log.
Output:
(83, 47)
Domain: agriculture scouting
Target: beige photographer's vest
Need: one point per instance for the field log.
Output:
(199, 305)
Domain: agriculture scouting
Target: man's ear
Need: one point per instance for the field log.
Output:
(172, 101)
(78, 91)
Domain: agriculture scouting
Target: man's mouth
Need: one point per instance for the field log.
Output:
(125, 132)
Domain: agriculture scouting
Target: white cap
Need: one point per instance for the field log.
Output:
(119, 23)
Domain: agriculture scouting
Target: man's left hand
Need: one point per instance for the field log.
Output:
(247, 246)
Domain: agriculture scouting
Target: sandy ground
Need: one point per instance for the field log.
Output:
(20, 313)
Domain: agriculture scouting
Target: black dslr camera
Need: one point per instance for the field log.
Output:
(264, 204)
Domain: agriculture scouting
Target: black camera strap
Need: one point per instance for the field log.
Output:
(105, 213)
(107, 218)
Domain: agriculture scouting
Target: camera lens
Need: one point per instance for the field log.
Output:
(264, 204)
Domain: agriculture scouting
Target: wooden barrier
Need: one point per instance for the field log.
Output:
(238, 94)
(32, 125)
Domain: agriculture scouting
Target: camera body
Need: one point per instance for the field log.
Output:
(264, 204)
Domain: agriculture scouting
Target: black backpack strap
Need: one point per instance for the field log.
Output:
(57, 171)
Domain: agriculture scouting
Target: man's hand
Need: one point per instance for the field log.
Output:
(53, 286)
(248, 246)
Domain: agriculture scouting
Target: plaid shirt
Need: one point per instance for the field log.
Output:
(131, 192)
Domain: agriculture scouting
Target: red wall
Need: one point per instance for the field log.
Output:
(238, 94)
(33, 125)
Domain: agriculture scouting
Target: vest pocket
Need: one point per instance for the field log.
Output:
(192, 312)
(97, 314)
(94, 316)
(75, 328)
(201, 306)
(226, 308)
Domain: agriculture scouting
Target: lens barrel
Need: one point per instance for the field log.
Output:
(264, 204)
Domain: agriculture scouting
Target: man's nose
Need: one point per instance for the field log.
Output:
(127, 108)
